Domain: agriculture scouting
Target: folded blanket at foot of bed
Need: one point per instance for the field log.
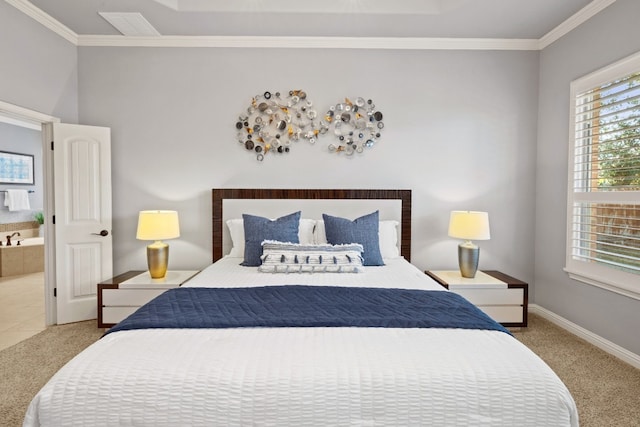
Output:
(307, 306)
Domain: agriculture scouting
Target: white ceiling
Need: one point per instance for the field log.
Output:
(486, 19)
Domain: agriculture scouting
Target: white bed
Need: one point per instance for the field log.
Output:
(397, 272)
(317, 376)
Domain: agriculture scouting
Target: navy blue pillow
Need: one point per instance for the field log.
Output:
(257, 229)
(363, 230)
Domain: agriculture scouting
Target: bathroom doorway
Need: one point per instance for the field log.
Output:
(25, 117)
(22, 276)
(66, 307)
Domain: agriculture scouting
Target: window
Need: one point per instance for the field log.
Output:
(603, 213)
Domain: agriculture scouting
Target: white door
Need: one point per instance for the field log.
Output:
(82, 209)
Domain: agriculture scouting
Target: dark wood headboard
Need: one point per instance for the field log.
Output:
(220, 194)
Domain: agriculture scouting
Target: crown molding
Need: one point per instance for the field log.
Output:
(45, 19)
(574, 21)
(397, 43)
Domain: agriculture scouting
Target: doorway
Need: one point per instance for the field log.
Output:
(26, 299)
(21, 268)
(73, 256)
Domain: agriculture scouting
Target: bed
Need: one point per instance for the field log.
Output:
(184, 368)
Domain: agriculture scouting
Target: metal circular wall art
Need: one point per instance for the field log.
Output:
(272, 122)
(357, 125)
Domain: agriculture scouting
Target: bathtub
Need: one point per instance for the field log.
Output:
(28, 242)
(24, 259)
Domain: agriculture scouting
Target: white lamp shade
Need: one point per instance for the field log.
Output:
(469, 225)
(158, 225)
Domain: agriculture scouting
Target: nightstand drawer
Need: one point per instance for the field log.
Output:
(113, 315)
(129, 297)
(493, 296)
(504, 313)
(507, 305)
(121, 295)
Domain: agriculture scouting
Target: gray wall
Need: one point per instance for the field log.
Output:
(38, 69)
(460, 131)
(18, 139)
(611, 35)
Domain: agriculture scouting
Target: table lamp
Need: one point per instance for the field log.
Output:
(469, 225)
(158, 226)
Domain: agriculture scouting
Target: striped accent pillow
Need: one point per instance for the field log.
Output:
(279, 257)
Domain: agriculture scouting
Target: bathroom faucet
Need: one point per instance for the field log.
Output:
(9, 238)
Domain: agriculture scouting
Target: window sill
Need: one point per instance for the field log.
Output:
(627, 291)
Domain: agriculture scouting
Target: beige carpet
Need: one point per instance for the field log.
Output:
(27, 366)
(606, 390)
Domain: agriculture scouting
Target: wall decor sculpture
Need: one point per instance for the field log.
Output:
(273, 122)
(356, 125)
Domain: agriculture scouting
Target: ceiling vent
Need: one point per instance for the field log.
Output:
(130, 23)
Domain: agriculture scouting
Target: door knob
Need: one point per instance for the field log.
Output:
(103, 233)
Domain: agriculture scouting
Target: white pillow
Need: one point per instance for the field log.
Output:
(236, 229)
(387, 234)
(279, 257)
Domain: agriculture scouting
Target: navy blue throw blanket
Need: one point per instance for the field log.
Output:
(307, 306)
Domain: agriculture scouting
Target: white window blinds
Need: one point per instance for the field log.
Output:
(603, 236)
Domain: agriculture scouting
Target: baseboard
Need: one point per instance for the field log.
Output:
(603, 344)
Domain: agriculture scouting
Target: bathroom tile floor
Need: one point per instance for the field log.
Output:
(21, 308)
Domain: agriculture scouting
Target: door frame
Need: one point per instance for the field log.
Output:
(35, 118)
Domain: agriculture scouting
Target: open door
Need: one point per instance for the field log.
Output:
(82, 214)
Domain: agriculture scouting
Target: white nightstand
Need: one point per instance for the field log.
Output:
(122, 295)
(502, 297)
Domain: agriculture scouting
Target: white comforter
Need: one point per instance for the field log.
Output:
(396, 273)
(304, 377)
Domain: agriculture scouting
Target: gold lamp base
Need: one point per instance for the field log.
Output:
(468, 255)
(157, 259)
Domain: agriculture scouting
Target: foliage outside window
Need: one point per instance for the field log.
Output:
(603, 235)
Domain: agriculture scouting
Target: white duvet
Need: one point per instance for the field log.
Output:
(305, 376)
(396, 273)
